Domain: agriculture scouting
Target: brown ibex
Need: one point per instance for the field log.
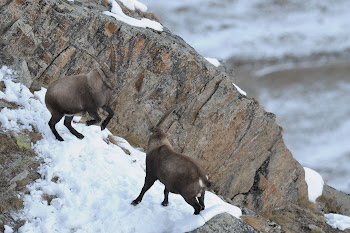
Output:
(82, 93)
(179, 173)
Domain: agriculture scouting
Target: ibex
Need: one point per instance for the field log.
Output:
(179, 173)
(82, 93)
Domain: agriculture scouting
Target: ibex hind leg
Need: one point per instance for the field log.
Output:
(201, 200)
(56, 117)
(108, 109)
(193, 202)
(68, 124)
(94, 115)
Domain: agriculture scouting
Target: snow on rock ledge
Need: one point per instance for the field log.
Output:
(314, 182)
(118, 13)
(213, 61)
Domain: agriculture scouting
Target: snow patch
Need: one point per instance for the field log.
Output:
(213, 61)
(118, 13)
(341, 222)
(314, 184)
(239, 90)
(134, 4)
(8, 229)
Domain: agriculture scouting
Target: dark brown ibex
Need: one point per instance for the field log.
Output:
(179, 173)
(82, 93)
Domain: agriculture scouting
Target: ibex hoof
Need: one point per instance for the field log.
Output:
(135, 202)
(164, 203)
(80, 136)
(90, 122)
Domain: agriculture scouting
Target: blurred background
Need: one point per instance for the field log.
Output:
(293, 56)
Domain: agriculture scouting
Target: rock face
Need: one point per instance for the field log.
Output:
(236, 141)
(334, 201)
(18, 165)
(225, 223)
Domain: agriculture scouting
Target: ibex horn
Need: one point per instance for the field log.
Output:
(165, 115)
(148, 120)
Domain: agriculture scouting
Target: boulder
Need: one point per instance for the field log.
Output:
(334, 201)
(236, 141)
(223, 223)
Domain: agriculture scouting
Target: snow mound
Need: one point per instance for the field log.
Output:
(134, 4)
(92, 182)
(314, 183)
(338, 221)
(213, 61)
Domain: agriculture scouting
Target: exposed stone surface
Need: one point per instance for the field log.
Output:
(224, 223)
(303, 216)
(18, 167)
(236, 141)
(334, 201)
(260, 223)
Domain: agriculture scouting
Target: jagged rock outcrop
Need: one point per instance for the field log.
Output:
(237, 142)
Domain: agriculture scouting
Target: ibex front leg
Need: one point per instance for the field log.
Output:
(108, 109)
(94, 115)
(148, 184)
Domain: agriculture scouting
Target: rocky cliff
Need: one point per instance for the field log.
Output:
(237, 142)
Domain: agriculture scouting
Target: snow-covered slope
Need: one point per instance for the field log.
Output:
(97, 180)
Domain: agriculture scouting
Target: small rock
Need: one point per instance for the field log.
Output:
(315, 229)
(4, 104)
(246, 211)
(20, 176)
(225, 223)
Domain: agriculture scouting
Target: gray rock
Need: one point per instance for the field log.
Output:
(23, 74)
(315, 228)
(225, 223)
(4, 104)
(21, 176)
(334, 201)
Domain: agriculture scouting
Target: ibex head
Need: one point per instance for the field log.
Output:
(158, 137)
